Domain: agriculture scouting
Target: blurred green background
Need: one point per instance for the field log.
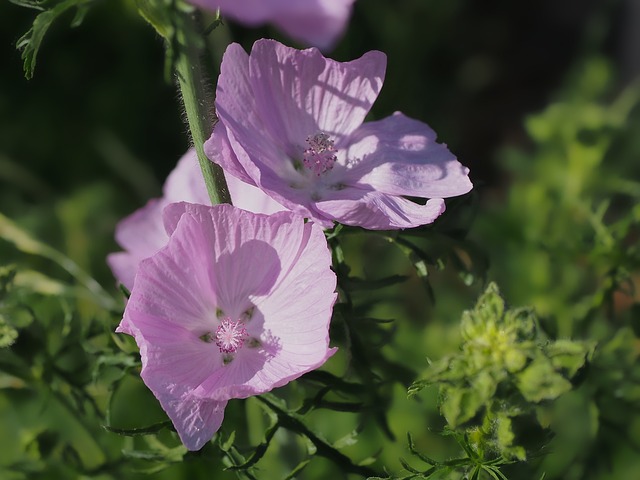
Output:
(538, 100)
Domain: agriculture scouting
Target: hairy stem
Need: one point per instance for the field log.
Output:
(190, 51)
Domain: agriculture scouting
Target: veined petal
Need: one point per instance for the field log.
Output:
(237, 110)
(293, 335)
(262, 245)
(268, 276)
(176, 283)
(298, 93)
(400, 156)
(195, 419)
(219, 150)
(378, 211)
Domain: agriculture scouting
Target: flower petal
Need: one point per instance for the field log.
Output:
(240, 243)
(400, 156)
(219, 150)
(185, 182)
(300, 92)
(294, 335)
(378, 211)
(141, 234)
(195, 419)
(270, 271)
(318, 22)
(237, 110)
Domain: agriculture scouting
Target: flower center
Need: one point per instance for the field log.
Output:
(230, 335)
(320, 156)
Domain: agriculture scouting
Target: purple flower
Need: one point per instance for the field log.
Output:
(291, 124)
(314, 22)
(142, 234)
(234, 305)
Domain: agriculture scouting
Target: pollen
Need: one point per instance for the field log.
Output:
(230, 335)
(320, 156)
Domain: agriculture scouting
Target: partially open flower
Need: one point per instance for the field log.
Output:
(291, 124)
(234, 305)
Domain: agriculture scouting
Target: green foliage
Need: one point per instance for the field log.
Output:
(505, 371)
(31, 41)
(562, 237)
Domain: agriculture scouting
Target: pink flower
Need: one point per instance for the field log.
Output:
(234, 305)
(291, 124)
(314, 22)
(141, 234)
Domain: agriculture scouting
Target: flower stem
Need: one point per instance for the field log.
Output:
(190, 51)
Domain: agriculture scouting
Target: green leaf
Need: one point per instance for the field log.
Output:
(8, 334)
(568, 356)
(297, 470)
(24, 242)
(355, 283)
(258, 451)
(350, 439)
(226, 445)
(34, 4)
(540, 381)
(31, 41)
(490, 304)
(159, 15)
(461, 405)
(136, 432)
(7, 275)
(505, 438)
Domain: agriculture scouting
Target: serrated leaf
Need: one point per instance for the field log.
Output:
(31, 41)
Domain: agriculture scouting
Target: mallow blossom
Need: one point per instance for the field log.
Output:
(142, 233)
(318, 23)
(234, 305)
(291, 123)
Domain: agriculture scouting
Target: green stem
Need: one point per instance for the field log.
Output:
(198, 101)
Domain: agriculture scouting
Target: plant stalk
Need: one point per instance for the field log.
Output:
(193, 82)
